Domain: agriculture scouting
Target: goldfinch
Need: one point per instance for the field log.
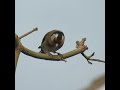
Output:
(52, 41)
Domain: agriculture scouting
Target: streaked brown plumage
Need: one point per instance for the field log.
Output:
(52, 41)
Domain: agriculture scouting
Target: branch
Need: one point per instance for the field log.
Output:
(16, 40)
(92, 59)
(78, 46)
(17, 49)
(17, 54)
(18, 45)
(34, 29)
(53, 57)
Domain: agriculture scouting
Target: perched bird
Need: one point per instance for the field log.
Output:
(52, 42)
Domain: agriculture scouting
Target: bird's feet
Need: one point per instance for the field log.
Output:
(62, 58)
(48, 53)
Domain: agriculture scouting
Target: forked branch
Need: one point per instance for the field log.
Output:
(81, 48)
(88, 58)
(34, 29)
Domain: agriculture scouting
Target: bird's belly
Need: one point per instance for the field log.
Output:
(49, 48)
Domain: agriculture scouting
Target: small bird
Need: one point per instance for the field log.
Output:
(52, 42)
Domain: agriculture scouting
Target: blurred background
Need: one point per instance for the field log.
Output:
(77, 19)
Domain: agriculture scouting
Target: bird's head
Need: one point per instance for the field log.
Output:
(58, 37)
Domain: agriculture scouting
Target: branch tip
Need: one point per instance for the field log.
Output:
(34, 29)
(88, 58)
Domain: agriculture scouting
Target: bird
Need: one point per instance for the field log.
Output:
(52, 41)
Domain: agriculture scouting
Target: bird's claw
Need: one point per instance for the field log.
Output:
(62, 59)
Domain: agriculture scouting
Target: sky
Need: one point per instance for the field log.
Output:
(77, 19)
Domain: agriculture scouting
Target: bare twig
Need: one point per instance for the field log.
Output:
(34, 29)
(97, 60)
(92, 59)
(88, 58)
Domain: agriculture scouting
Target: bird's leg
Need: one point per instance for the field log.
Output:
(50, 54)
(57, 53)
(61, 56)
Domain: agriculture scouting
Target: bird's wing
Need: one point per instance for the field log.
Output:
(59, 46)
(47, 36)
(43, 40)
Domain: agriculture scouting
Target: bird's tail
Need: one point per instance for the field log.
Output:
(39, 47)
(40, 50)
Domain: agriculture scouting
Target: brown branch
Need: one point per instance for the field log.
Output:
(17, 54)
(21, 48)
(79, 45)
(34, 29)
(17, 49)
(53, 57)
(81, 49)
(92, 59)
(16, 40)
(88, 58)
